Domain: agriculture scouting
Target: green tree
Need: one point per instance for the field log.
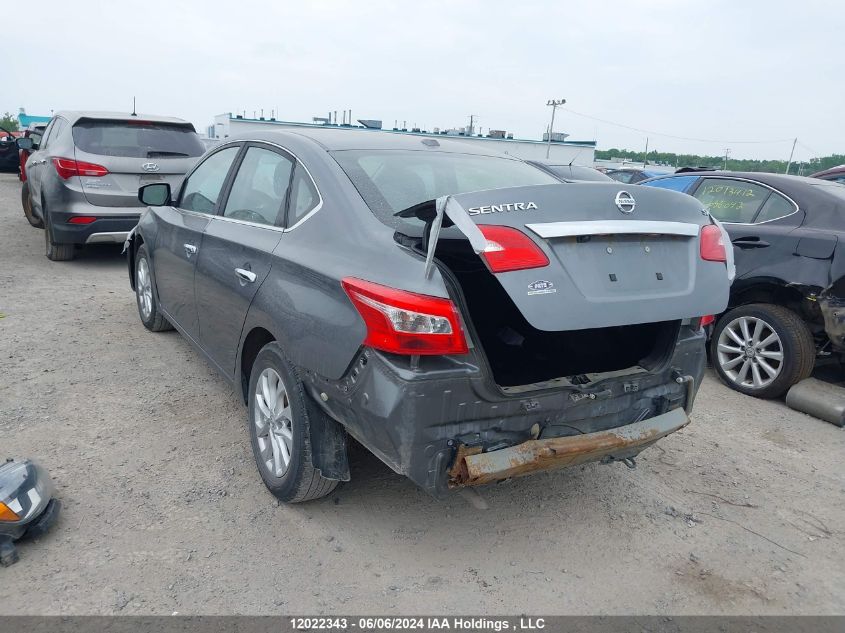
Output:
(9, 122)
(694, 160)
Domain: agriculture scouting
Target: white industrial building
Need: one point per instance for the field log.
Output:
(564, 151)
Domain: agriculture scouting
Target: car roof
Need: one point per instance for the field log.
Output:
(362, 139)
(73, 116)
(775, 180)
(839, 169)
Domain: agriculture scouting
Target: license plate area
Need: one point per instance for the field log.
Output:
(626, 265)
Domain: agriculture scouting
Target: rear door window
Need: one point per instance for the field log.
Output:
(48, 132)
(303, 196)
(260, 187)
(728, 200)
(136, 139)
(775, 207)
(202, 188)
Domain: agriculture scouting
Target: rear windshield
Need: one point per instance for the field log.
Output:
(393, 180)
(136, 139)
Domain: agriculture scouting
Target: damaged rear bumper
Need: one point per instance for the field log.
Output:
(473, 468)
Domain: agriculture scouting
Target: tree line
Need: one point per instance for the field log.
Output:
(805, 168)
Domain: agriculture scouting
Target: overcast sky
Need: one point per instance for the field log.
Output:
(723, 70)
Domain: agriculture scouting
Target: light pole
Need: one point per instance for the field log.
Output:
(554, 103)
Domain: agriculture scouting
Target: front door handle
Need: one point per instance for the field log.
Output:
(749, 242)
(245, 275)
(190, 249)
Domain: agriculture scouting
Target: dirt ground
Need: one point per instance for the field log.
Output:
(741, 512)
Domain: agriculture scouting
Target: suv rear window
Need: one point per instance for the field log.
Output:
(136, 139)
(393, 180)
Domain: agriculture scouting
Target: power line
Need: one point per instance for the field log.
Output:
(681, 138)
(807, 147)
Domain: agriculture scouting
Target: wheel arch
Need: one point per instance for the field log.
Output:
(767, 290)
(328, 450)
(255, 339)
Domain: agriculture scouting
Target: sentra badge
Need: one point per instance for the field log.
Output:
(501, 208)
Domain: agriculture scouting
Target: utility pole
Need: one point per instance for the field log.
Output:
(471, 127)
(554, 103)
(645, 156)
(727, 153)
(789, 163)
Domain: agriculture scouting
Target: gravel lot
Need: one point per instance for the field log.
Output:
(742, 512)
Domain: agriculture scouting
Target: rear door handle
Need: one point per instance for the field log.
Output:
(749, 242)
(190, 249)
(245, 275)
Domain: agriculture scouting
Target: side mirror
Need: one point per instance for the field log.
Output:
(156, 194)
(25, 143)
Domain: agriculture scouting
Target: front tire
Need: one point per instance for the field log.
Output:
(145, 295)
(762, 349)
(26, 203)
(54, 252)
(279, 430)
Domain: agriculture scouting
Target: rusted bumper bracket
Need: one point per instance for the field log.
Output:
(472, 467)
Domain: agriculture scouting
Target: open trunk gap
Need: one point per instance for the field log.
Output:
(521, 355)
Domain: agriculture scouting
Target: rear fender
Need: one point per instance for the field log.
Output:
(328, 437)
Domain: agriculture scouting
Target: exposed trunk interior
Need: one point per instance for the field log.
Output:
(520, 355)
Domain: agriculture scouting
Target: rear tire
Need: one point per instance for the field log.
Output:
(26, 203)
(762, 349)
(54, 252)
(145, 295)
(279, 430)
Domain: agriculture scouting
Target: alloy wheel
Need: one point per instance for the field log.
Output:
(750, 352)
(273, 425)
(145, 288)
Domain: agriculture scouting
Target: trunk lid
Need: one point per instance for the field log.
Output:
(616, 256)
(119, 188)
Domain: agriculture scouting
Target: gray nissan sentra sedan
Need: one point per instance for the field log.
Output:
(83, 177)
(465, 316)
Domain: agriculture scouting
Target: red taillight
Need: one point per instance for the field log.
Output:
(712, 244)
(707, 320)
(67, 167)
(509, 249)
(81, 219)
(404, 322)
